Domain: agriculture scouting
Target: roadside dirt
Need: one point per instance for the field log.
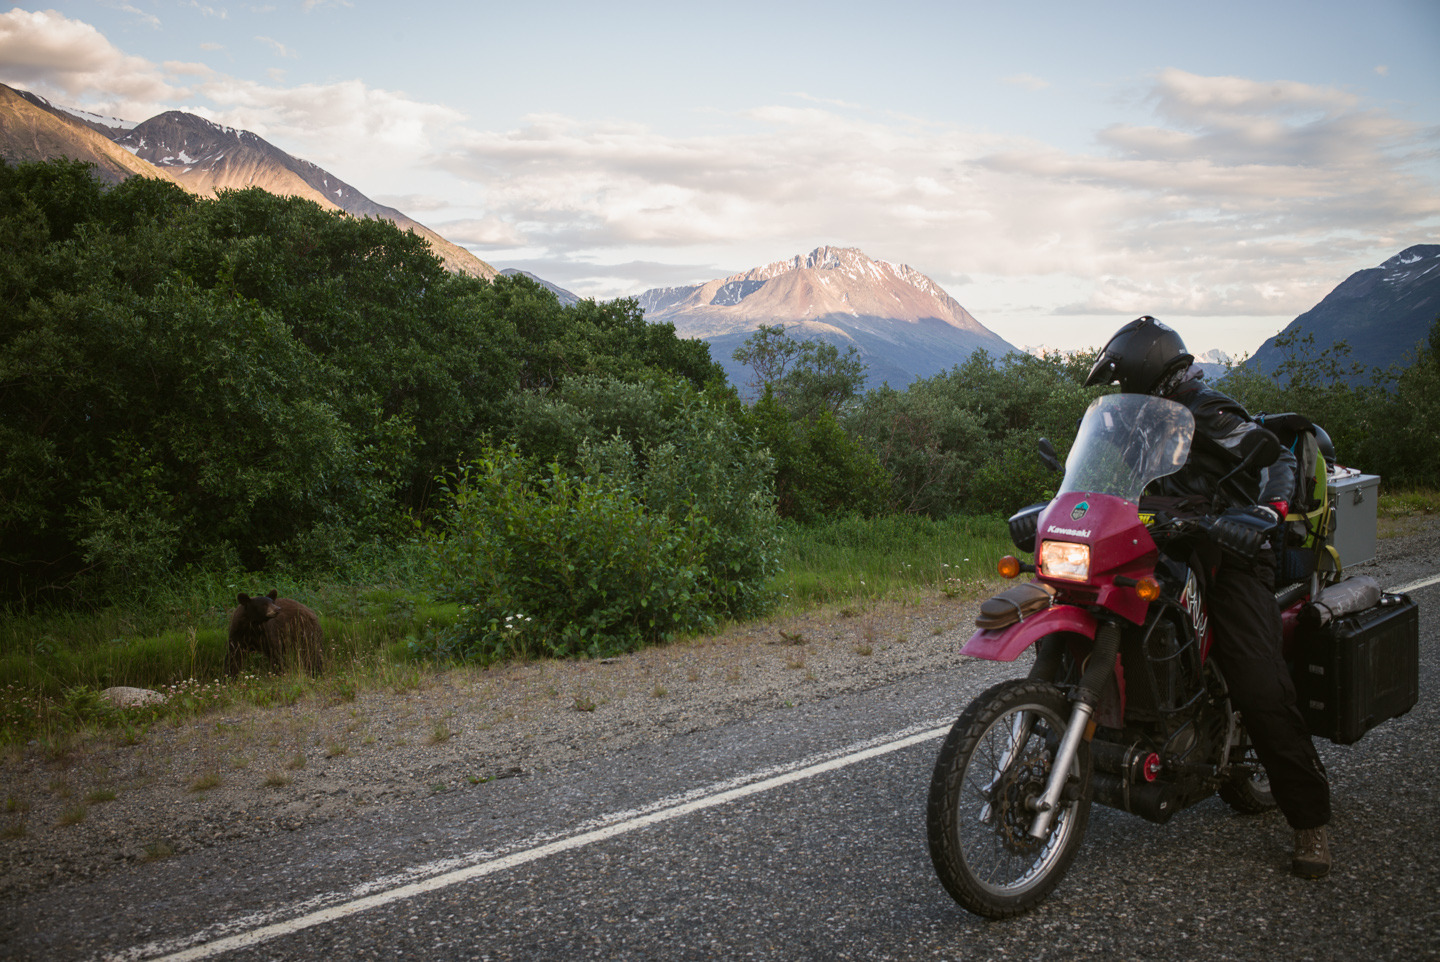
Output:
(246, 771)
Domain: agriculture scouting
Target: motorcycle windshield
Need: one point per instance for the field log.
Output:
(1125, 442)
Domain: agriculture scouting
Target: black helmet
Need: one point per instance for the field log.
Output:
(1139, 356)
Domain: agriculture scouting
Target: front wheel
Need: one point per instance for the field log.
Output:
(994, 763)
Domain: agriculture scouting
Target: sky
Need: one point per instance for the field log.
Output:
(1058, 167)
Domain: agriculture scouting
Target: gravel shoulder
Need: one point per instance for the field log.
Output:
(245, 772)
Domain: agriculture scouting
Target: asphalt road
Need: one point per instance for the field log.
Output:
(796, 835)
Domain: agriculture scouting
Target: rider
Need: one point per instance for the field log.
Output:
(1146, 357)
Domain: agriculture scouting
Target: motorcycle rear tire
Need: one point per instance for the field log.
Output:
(977, 820)
(1249, 794)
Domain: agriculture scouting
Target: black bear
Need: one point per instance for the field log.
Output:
(282, 629)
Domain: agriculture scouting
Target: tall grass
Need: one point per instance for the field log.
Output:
(54, 664)
(857, 560)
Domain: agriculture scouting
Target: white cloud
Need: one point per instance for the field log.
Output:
(69, 60)
(1237, 197)
(482, 232)
(181, 68)
(343, 126)
(1245, 197)
(149, 19)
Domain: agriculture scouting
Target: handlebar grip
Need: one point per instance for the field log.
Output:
(1242, 533)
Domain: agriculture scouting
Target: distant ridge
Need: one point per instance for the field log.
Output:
(566, 298)
(201, 156)
(1381, 313)
(904, 325)
(33, 130)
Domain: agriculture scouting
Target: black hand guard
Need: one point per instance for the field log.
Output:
(1242, 532)
(1023, 525)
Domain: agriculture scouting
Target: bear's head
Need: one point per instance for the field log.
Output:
(259, 609)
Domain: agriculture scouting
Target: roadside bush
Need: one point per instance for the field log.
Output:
(964, 442)
(820, 470)
(709, 477)
(553, 563)
(1390, 427)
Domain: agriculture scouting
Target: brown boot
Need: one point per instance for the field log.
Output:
(1312, 853)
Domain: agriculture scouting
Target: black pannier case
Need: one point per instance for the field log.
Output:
(1360, 669)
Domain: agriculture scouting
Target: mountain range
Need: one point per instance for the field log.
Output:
(901, 322)
(201, 156)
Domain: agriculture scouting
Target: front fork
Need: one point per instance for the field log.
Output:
(1087, 695)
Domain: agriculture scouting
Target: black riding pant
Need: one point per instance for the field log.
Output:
(1247, 636)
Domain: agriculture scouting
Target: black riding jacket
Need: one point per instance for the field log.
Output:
(1220, 425)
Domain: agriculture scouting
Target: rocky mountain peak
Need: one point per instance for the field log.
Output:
(851, 263)
(902, 322)
(1412, 264)
(178, 139)
(826, 284)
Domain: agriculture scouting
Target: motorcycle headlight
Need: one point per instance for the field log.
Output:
(1065, 559)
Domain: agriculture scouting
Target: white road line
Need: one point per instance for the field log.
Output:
(259, 928)
(1422, 583)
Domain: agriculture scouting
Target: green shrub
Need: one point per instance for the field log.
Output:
(561, 564)
(964, 442)
(715, 483)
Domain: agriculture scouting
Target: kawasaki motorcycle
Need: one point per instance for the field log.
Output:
(1122, 705)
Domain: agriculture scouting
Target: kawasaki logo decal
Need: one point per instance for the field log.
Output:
(1079, 511)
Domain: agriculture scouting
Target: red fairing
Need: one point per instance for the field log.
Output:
(1119, 543)
(1006, 644)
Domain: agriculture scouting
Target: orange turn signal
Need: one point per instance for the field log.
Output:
(1148, 589)
(1009, 566)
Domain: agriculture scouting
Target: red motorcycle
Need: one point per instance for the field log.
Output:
(1122, 706)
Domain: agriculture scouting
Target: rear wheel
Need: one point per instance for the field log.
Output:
(1248, 790)
(993, 766)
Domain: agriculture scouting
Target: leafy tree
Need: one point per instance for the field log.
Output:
(820, 470)
(1405, 445)
(804, 386)
(805, 376)
(1316, 383)
(252, 380)
(965, 441)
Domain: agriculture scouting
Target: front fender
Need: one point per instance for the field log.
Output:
(1006, 644)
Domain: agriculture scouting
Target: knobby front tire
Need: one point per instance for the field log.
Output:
(997, 755)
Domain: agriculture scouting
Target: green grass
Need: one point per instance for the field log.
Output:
(1400, 504)
(854, 560)
(1398, 510)
(54, 665)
